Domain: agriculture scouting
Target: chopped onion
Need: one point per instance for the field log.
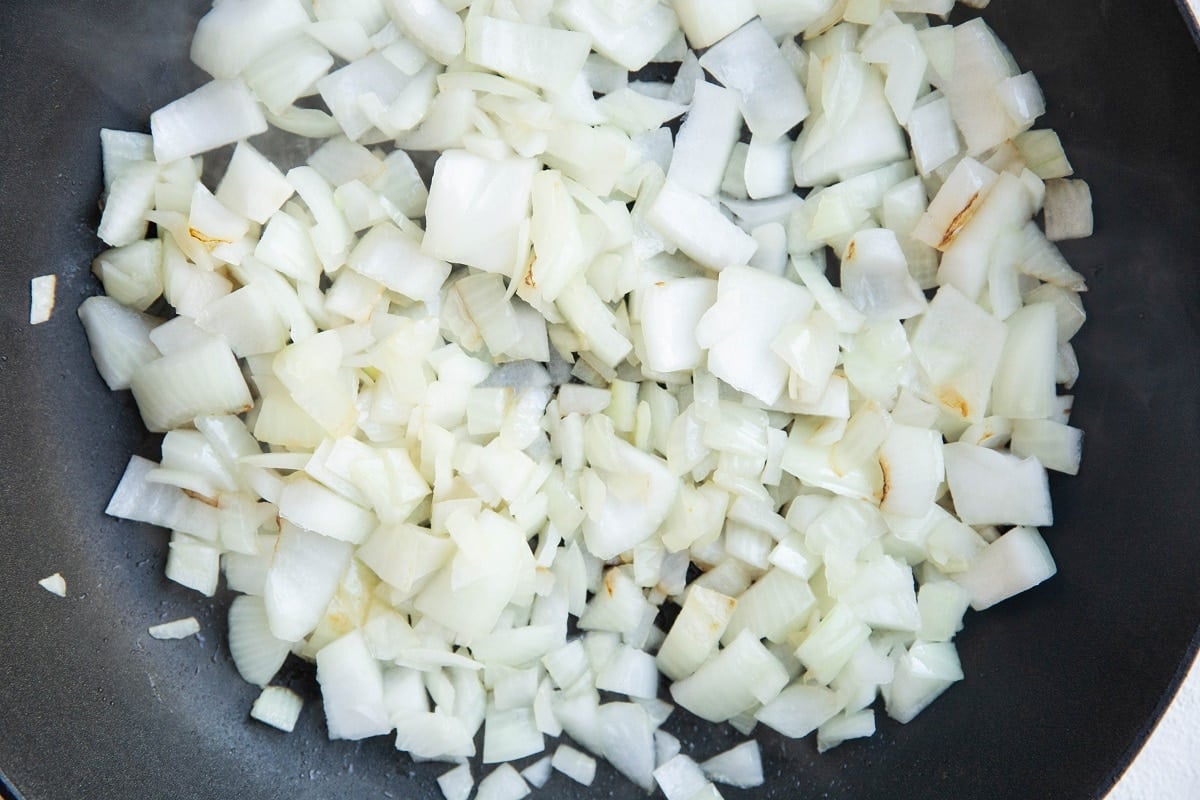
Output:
(680, 778)
(256, 652)
(748, 62)
(176, 629)
(539, 772)
(577, 766)
(278, 707)
(1068, 210)
(594, 368)
(457, 783)
(799, 709)
(54, 584)
(922, 673)
(218, 113)
(698, 229)
(41, 298)
(351, 689)
(503, 783)
(740, 766)
(991, 488)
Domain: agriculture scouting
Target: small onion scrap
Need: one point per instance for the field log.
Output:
(532, 346)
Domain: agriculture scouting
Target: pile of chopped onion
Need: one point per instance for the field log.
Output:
(772, 349)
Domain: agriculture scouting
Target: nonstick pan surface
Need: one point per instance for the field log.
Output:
(1062, 684)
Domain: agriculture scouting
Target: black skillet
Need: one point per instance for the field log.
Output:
(1063, 684)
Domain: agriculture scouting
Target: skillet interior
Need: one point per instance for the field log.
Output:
(1062, 684)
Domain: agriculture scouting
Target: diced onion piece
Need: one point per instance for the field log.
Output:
(911, 460)
(749, 62)
(288, 72)
(351, 689)
(832, 643)
(875, 276)
(942, 605)
(252, 186)
(119, 338)
(697, 228)
(934, 137)
(740, 766)
(856, 132)
(345, 89)
(193, 563)
(768, 171)
(1039, 258)
(1024, 387)
(1022, 99)
(176, 629)
(680, 778)
(577, 766)
(630, 672)
(706, 22)
(457, 783)
(492, 562)
(475, 210)
(510, 734)
(640, 491)
(130, 198)
(540, 56)
(965, 260)
(331, 236)
(981, 65)
(503, 783)
(923, 672)
(391, 257)
(844, 727)
(278, 707)
(774, 606)
(1043, 153)
(955, 204)
(799, 710)
(218, 113)
(733, 681)
(1068, 210)
(752, 309)
(1056, 445)
(256, 652)
(41, 298)
(881, 594)
(211, 222)
(175, 389)
(1017, 561)
(627, 741)
(121, 149)
(632, 39)
(132, 274)
(959, 345)
(54, 584)
(671, 310)
(135, 498)
(302, 580)
(706, 140)
(231, 36)
(899, 48)
(991, 488)
(697, 630)
(437, 29)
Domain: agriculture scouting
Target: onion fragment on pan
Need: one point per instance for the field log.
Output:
(41, 298)
(792, 367)
(278, 707)
(54, 584)
(176, 629)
